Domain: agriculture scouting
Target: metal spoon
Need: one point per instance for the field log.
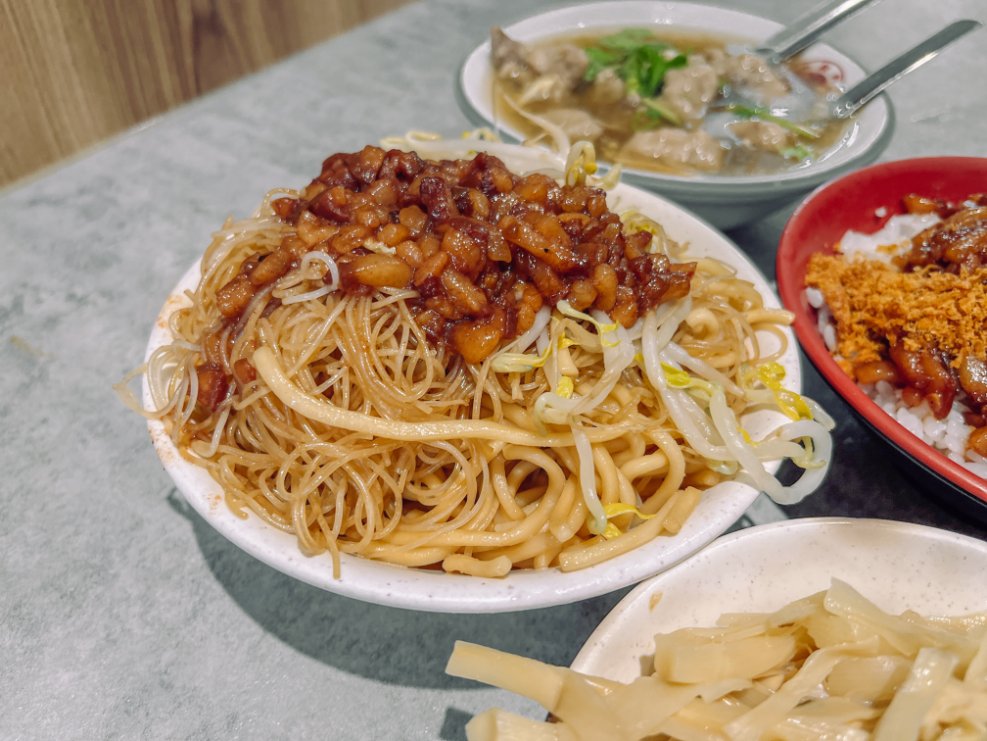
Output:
(865, 90)
(783, 45)
(852, 100)
(808, 27)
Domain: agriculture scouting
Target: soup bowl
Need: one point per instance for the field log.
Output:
(724, 200)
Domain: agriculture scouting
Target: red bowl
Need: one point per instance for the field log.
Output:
(854, 202)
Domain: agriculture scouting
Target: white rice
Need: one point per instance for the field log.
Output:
(948, 435)
(890, 240)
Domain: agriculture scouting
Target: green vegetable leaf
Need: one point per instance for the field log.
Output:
(637, 58)
(599, 60)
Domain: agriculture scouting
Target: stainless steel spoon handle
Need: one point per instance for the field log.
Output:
(807, 28)
(848, 103)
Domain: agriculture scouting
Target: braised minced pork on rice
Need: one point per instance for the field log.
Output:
(904, 311)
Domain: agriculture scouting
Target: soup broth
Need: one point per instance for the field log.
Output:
(664, 102)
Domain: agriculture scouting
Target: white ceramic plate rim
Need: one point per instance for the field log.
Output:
(436, 591)
(874, 122)
(898, 565)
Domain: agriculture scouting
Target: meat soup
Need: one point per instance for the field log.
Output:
(666, 103)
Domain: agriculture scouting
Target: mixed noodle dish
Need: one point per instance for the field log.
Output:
(904, 310)
(672, 102)
(832, 665)
(434, 361)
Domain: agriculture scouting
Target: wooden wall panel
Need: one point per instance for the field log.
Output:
(76, 71)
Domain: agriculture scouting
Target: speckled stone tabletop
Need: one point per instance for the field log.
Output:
(123, 615)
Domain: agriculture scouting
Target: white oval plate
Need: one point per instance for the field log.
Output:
(437, 591)
(896, 565)
(872, 125)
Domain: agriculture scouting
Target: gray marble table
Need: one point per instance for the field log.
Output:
(122, 614)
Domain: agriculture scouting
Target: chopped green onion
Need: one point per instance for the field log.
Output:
(636, 57)
(629, 39)
(655, 109)
(799, 152)
(746, 111)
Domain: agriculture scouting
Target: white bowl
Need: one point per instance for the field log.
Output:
(723, 200)
(431, 590)
(896, 565)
